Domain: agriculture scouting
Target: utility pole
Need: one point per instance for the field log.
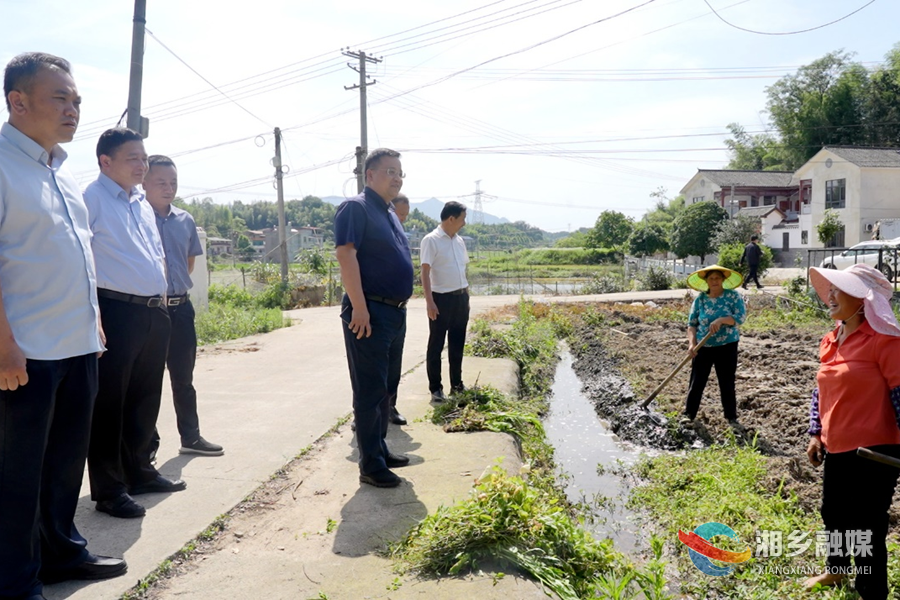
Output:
(363, 149)
(731, 203)
(135, 120)
(282, 234)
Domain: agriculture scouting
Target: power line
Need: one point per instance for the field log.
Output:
(721, 18)
(195, 72)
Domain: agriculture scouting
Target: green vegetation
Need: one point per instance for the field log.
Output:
(693, 229)
(611, 230)
(524, 520)
(234, 313)
(728, 484)
(730, 257)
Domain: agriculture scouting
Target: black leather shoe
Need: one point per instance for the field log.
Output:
(383, 479)
(396, 460)
(397, 418)
(94, 567)
(123, 507)
(160, 485)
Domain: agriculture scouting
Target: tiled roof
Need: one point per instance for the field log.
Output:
(757, 211)
(868, 157)
(748, 178)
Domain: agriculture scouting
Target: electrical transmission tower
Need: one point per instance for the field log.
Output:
(478, 205)
(363, 149)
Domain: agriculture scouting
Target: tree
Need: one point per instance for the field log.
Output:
(244, 248)
(737, 230)
(647, 239)
(822, 104)
(577, 239)
(761, 152)
(693, 230)
(666, 210)
(828, 228)
(610, 231)
(730, 258)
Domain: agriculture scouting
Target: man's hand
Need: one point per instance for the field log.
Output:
(815, 451)
(12, 367)
(359, 322)
(432, 309)
(102, 338)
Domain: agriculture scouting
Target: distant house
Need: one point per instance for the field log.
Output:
(217, 246)
(861, 184)
(299, 238)
(750, 189)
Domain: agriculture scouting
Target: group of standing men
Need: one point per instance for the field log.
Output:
(377, 272)
(93, 301)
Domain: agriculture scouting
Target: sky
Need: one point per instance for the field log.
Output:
(560, 108)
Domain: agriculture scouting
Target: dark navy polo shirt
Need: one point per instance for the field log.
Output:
(382, 250)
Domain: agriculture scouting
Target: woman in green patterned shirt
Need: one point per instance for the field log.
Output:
(717, 310)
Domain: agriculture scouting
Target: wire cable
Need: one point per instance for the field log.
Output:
(721, 18)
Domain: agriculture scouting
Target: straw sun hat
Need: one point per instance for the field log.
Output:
(697, 279)
(865, 282)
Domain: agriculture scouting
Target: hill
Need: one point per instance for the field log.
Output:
(431, 208)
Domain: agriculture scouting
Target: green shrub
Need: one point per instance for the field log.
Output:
(230, 295)
(730, 258)
(276, 295)
(655, 278)
(606, 283)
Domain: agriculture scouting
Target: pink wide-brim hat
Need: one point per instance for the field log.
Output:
(865, 282)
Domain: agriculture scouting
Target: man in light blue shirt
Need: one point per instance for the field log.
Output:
(50, 335)
(131, 281)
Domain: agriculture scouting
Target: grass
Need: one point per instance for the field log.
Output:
(727, 484)
(522, 521)
(235, 313)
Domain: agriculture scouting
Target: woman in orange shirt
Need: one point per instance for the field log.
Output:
(856, 404)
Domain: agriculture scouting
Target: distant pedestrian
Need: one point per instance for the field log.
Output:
(717, 310)
(377, 273)
(856, 404)
(401, 207)
(444, 259)
(131, 281)
(50, 335)
(752, 256)
(181, 244)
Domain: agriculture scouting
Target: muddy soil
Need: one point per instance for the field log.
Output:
(632, 349)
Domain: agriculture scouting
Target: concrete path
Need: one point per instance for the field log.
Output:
(264, 398)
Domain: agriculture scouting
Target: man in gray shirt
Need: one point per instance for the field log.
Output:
(181, 243)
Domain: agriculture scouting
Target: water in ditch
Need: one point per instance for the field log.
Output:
(581, 443)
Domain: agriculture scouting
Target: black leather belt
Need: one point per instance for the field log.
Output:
(177, 300)
(458, 292)
(388, 301)
(148, 301)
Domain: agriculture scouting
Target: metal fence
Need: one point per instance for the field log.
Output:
(884, 259)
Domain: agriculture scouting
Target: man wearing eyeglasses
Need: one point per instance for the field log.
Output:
(377, 273)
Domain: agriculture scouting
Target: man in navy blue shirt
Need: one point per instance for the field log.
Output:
(377, 274)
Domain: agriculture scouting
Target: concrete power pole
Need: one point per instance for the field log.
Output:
(731, 203)
(282, 225)
(135, 120)
(363, 149)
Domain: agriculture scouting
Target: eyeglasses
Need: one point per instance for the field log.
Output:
(392, 172)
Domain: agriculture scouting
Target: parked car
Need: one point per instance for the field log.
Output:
(882, 255)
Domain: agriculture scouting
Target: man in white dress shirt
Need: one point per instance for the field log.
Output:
(443, 256)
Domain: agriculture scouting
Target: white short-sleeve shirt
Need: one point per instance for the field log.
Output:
(447, 257)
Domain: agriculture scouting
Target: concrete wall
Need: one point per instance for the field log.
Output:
(200, 277)
(880, 192)
(819, 172)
